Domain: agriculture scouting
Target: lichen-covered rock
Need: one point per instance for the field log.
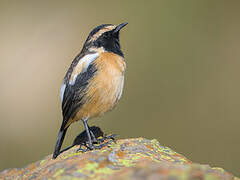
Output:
(126, 159)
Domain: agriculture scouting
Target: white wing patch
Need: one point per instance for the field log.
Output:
(82, 66)
(72, 82)
(121, 89)
(62, 91)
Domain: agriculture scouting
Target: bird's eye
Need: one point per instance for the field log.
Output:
(106, 35)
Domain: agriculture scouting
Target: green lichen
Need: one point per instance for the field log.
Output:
(211, 177)
(58, 173)
(67, 178)
(42, 162)
(219, 169)
(91, 166)
(125, 162)
(71, 155)
(105, 170)
(110, 162)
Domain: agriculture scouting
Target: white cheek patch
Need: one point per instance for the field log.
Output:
(82, 66)
(62, 91)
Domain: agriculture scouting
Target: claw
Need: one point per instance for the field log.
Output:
(111, 137)
(81, 150)
(88, 148)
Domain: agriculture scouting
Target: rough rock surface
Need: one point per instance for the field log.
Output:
(126, 159)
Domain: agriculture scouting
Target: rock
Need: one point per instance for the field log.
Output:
(126, 159)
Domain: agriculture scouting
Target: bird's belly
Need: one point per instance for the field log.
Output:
(103, 91)
(102, 96)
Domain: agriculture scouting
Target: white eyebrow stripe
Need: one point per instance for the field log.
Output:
(101, 31)
(82, 66)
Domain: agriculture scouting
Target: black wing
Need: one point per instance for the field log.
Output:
(73, 94)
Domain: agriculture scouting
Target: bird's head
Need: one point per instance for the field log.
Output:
(104, 38)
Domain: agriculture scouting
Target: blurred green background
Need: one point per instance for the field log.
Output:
(182, 82)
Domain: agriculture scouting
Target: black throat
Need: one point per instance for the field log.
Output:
(110, 42)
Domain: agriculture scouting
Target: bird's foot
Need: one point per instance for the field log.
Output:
(90, 147)
(97, 143)
(100, 146)
(109, 137)
(80, 149)
(94, 139)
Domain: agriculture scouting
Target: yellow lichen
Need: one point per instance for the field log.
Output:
(42, 161)
(210, 177)
(60, 171)
(91, 166)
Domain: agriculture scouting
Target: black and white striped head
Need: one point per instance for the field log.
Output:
(105, 37)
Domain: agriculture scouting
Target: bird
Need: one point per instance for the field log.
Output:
(82, 138)
(94, 81)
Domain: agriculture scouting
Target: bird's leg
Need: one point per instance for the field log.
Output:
(90, 145)
(100, 140)
(82, 149)
(88, 134)
(111, 137)
(92, 134)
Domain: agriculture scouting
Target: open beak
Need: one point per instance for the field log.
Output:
(119, 27)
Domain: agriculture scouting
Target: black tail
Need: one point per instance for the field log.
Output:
(61, 135)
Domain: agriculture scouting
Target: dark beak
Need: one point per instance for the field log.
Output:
(119, 27)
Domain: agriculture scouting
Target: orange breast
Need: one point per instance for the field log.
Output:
(105, 89)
